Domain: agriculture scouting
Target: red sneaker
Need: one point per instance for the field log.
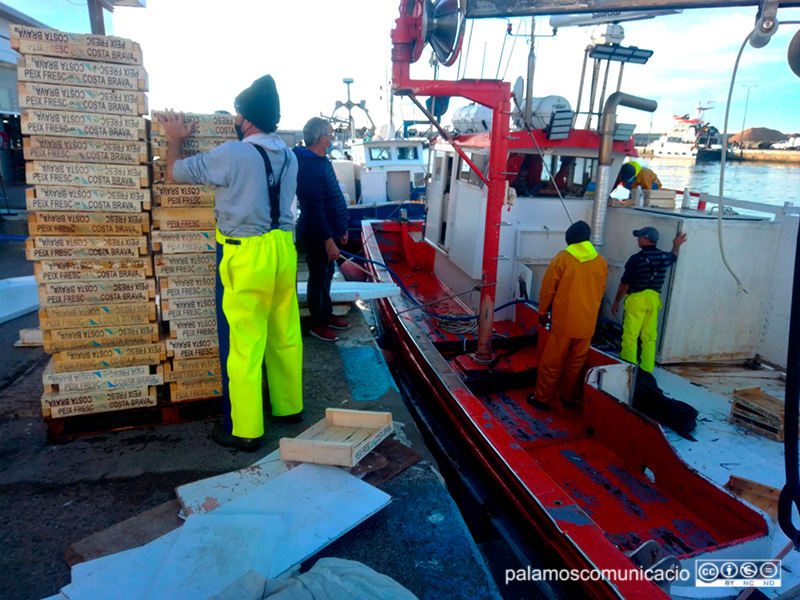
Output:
(324, 333)
(335, 322)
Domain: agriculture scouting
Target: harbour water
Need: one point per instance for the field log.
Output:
(770, 183)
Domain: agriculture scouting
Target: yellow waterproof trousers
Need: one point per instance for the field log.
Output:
(258, 321)
(561, 368)
(641, 322)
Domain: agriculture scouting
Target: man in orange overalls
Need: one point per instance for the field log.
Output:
(573, 288)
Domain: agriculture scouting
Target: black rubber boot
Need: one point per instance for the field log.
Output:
(223, 438)
(544, 406)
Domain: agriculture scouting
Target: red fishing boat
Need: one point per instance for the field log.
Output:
(601, 487)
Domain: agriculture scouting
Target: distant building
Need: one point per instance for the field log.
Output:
(12, 166)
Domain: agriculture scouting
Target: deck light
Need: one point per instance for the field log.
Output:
(623, 132)
(560, 125)
(623, 54)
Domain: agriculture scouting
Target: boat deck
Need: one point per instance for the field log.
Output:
(564, 456)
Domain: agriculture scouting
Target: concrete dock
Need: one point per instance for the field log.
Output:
(53, 495)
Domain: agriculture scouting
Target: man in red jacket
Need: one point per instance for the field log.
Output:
(323, 221)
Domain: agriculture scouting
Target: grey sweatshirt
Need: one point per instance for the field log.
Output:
(241, 204)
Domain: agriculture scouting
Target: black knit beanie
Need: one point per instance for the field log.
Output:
(578, 232)
(260, 104)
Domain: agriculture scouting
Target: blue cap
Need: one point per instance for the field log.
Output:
(649, 233)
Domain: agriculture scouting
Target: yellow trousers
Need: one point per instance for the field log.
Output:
(641, 322)
(561, 368)
(258, 321)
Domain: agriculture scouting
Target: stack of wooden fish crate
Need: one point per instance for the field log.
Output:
(83, 100)
(183, 236)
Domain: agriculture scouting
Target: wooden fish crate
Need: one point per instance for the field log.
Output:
(193, 389)
(184, 219)
(46, 197)
(72, 98)
(342, 438)
(182, 370)
(759, 412)
(659, 198)
(183, 196)
(102, 379)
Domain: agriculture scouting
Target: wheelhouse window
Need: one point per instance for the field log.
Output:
(407, 153)
(465, 172)
(380, 153)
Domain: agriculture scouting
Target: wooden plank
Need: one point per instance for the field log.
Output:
(95, 321)
(96, 292)
(101, 358)
(28, 47)
(92, 199)
(79, 253)
(187, 287)
(127, 535)
(59, 229)
(197, 388)
(89, 265)
(64, 71)
(194, 348)
(119, 152)
(204, 125)
(193, 328)
(124, 273)
(178, 195)
(188, 308)
(186, 247)
(140, 220)
(82, 125)
(760, 402)
(763, 496)
(159, 237)
(184, 366)
(99, 311)
(81, 242)
(71, 98)
(184, 219)
(29, 338)
(191, 146)
(168, 265)
(21, 33)
(95, 401)
(192, 369)
(85, 174)
(92, 337)
(357, 418)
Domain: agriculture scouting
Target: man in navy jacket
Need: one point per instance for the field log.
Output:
(323, 221)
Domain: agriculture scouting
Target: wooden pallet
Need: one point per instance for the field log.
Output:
(163, 413)
(759, 412)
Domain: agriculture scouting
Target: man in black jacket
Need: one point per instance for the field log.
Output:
(323, 221)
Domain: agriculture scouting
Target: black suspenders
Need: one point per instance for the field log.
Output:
(274, 186)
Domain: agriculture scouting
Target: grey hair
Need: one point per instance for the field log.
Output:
(315, 129)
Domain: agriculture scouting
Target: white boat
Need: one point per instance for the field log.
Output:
(689, 138)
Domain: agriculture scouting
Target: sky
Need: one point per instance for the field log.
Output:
(200, 54)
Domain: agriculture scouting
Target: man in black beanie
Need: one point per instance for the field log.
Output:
(258, 318)
(573, 288)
